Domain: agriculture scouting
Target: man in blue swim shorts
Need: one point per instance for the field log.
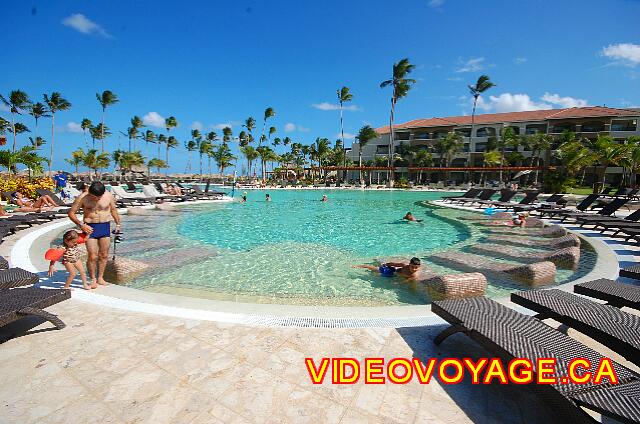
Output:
(98, 207)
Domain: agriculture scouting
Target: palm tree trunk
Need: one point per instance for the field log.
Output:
(53, 121)
(391, 141)
(360, 163)
(36, 134)
(344, 151)
(15, 135)
(102, 129)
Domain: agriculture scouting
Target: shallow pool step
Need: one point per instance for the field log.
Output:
(179, 257)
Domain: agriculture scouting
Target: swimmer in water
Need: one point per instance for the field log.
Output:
(325, 198)
(409, 217)
(410, 271)
(267, 198)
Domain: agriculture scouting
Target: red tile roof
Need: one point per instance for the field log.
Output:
(526, 116)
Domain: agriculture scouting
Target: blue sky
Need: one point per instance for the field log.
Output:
(215, 63)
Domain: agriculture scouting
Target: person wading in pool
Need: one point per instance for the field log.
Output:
(98, 207)
(410, 271)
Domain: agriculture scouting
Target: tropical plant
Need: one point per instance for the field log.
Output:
(38, 110)
(37, 142)
(422, 158)
(482, 85)
(250, 125)
(272, 131)
(242, 138)
(133, 132)
(56, 103)
(344, 96)
(16, 102)
(191, 146)
(448, 146)
(86, 124)
(100, 133)
(160, 140)
(170, 122)
(268, 113)
(366, 134)
(149, 137)
(94, 160)
(27, 156)
(156, 163)
(223, 157)
(172, 143)
(106, 99)
(250, 154)
(401, 86)
(76, 159)
(539, 143)
(204, 147)
(508, 139)
(266, 154)
(606, 152)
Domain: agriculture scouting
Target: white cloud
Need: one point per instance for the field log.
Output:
(436, 3)
(333, 106)
(222, 125)
(563, 101)
(625, 53)
(472, 65)
(291, 127)
(153, 119)
(347, 136)
(196, 125)
(507, 102)
(82, 24)
(73, 127)
(520, 60)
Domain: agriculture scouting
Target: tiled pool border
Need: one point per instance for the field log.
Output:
(278, 315)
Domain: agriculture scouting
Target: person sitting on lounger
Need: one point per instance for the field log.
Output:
(410, 271)
(27, 205)
(409, 217)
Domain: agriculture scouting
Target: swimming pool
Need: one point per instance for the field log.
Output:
(297, 249)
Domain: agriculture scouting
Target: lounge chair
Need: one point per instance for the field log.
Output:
(485, 195)
(505, 196)
(470, 194)
(18, 303)
(568, 240)
(526, 201)
(582, 206)
(507, 334)
(4, 264)
(554, 201)
(607, 210)
(631, 272)
(616, 224)
(613, 292)
(568, 257)
(606, 324)
(151, 192)
(16, 277)
(54, 197)
(129, 199)
(535, 274)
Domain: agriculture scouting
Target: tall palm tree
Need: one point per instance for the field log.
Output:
(422, 158)
(227, 135)
(161, 139)
(250, 154)
(272, 131)
(170, 122)
(204, 147)
(508, 138)
(344, 96)
(242, 138)
(106, 99)
(191, 146)
(172, 143)
(56, 103)
(94, 160)
(268, 113)
(482, 85)
(136, 124)
(149, 137)
(401, 86)
(223, 157)
(100, 132)
(607, 152)
(266, 155)
(250, 125)
(86, 124)
(17, 101)
(448, 146)
(156, 163)
(365, 135)
(76, 159)
(38, 110)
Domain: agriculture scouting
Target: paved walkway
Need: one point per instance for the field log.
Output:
(127, 367)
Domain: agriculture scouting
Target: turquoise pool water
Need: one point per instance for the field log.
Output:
(297, 249)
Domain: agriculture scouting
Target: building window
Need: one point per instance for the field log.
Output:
(593, 126)
(465, 132)
(481, 147)
(624, 125)
(382, 149)
(486, 132)
(421, 136)
(440, 134)
(535, 129)
(401, 136)
(560, 128)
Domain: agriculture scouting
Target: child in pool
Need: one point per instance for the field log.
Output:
(71, 260)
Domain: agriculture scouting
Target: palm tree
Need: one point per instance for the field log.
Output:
(634, 158)
(170, 122)
(17, 101)
(423, 158)
(607, 152)
(100, 133)
(508, 138)
(161, 139)
(251, 154)
(37, 142)
(94, 160)
(401, 86)
(249, 124)
(539, 143)
(366, 134)
(133, 130)
(204, 147)
(149, 137)
(55, 102)
(266, 155)
(242, 137)
(38, 110)
(344, 96)
(268, 113)
(85, 125)
(106, 99)
(76, 159)
(448, 146)
(272, 131)
(482, 85)
(156, 163)
(172, 143)
(127, 160)
(26, 156)
(223, 157)
(191, 146)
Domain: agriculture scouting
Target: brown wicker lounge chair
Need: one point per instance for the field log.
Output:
(18, 303)
(618, 330)
(4, 264)
(16, 277)
(535, 274)
(615, 293)
(508, 334)
(569, 257)
(545, 243)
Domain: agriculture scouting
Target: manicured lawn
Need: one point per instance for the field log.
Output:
(581, 190)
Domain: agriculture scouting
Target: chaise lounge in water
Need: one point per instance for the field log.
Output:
(569, 257)
(535, 274)
(545, 243)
